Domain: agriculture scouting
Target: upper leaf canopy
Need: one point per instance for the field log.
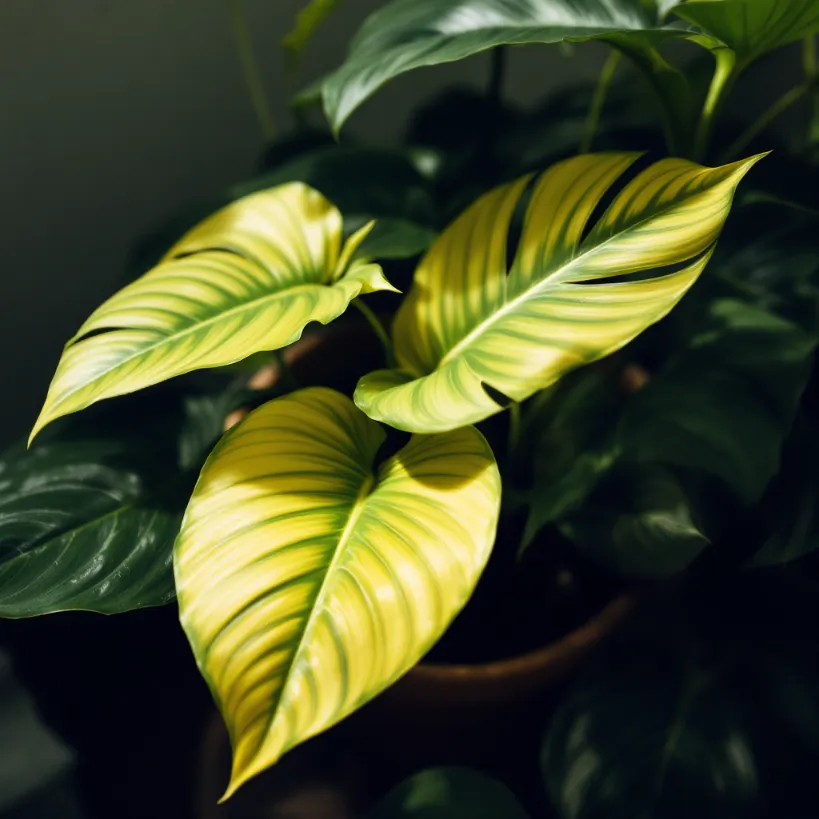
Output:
(408, 34)
(751, 28)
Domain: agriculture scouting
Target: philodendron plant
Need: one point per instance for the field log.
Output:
(313, 566)
(310, 573)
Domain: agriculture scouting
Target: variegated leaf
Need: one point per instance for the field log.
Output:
(308, 581)
(469, 332)
(247, 279)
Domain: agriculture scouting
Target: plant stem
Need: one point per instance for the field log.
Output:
(250, 66)
(379, 330)
(513, 441)
(779, 107)
(811, 65)
(724, 75)
(497, 71)
(598, 100)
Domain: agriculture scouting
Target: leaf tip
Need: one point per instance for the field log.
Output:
(42, 421)
(244, 770)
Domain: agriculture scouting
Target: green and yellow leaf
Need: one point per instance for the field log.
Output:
(469, 330)
(247, 279)
(308, 581)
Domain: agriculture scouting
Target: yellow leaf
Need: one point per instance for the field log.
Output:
(469, 330)
(247, 279)
(308, 581)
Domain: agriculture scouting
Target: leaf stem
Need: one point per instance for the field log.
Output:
(380, 331)
(497, 71)
(811, 66)
(724, 75)
(598, 100)
(515, 428)
(250, 67)
(763, 121)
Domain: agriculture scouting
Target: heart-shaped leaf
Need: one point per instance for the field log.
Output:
(248, 278)
(408, 34)
(307, 582)
(470, 332)
(751, 28)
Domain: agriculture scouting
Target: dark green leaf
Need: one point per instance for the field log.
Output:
(706, 705)
(359, 181)
(80, 528)
(88, 515)
(640, 522)
(572, 443)
(752, 27)
(670, 86)
(652, 738)
(395, 239)
(792, 511)
(771, 258)
(408, 34)
(724, 405)
(449, 793)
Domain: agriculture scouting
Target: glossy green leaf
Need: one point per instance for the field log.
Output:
(649, 737)
(308, 581)
(449, 793)
(706, 706)
(639, 522)
(572, 445)
(81, 528)
(247, 279)
(89, 514)
(470, 331)
(791, 505)
(770, 258)
(750, 28)
(724, 405)
(409, 34)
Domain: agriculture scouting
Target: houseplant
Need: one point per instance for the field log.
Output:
(351, 548)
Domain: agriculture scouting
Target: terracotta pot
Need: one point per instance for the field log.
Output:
(491, 716)
(437, 713)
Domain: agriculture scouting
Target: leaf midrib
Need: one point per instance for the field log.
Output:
(355, 513)
(180, 334)
(509, 306)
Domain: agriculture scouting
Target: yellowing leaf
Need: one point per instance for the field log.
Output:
(247, 279)
(307, 581)
(469, 331)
